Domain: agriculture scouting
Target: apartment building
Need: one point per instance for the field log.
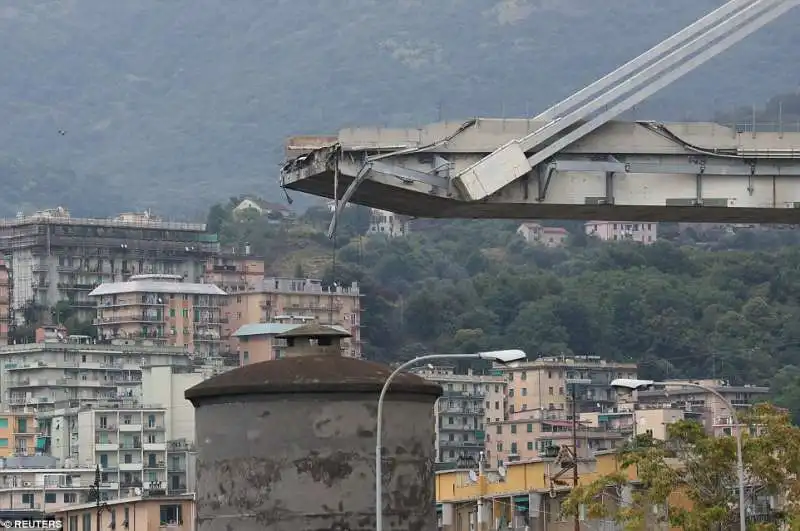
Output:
(707, 407)
(387, 223)
(538, 396)
(536, 234)
(181, 466)
(146, 512)
(646, 233)
(638, 419)
(165, 385)
(296, 301)
(262, 341)
(128, 443)
(18, 433)
(543, 385)
(38, 483)
(54, 256)
(73, 372)
(164, 310)
(234, 273)
(5, 301)
(460, 412)
(538, 435)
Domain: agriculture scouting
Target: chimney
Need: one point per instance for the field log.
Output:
(313, 340)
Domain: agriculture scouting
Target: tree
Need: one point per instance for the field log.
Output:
(702, 470)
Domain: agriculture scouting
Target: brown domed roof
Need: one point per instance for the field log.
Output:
(310, 374)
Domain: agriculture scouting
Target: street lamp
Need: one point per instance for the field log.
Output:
(499, 356)
(635, 385)
(94, 495)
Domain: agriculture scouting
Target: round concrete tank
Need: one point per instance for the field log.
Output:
(289, 445)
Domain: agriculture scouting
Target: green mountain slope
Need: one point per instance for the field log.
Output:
(173, 104)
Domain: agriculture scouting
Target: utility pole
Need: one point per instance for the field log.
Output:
(574, 383)
(94, 495)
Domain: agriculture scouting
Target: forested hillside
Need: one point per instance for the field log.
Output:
(728, 307)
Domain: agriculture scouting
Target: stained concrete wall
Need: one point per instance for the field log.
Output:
(307, 462)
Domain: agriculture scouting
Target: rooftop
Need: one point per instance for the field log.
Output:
(124, 501)
(61, 346)
(274, 329)
(155, 286)
(310, 374)
(315, 330)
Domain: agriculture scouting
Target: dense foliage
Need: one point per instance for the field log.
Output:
(702, 470)
(727, 306)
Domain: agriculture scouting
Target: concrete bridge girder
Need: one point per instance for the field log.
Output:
(623, 171)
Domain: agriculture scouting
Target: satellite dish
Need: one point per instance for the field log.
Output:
(473, 476)
(502, 471)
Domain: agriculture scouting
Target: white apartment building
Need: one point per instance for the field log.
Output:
(387, 223)
(181, 467)
(459, 413)
(165, 385)
(37, 483)
(44, 377)
(128, 443)
(645, 233)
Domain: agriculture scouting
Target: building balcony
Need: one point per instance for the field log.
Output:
(176, 468)
(131, 467)
(106, 447)
(154, 427)
(154, 465)
(118, 319)
(155, 447)
(130, 427)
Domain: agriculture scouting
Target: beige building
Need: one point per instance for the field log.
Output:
(164, 310)
(152, 512)
(296, 301)
(538, 436)
(645, 233)
(37, 483)
(652, 421)
(535, 233)
(262, 341)
(541, 385)
(387, 223)
(714, 413)
(538, 396)
(460, 412)
(234, 273)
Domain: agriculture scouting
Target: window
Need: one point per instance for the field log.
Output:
(3, 443)
(171, 514)
(3, 422)
(185, 313)
(550, 390)
(529, 428)
(524, 391)
(530, 445)
(49, 497)
(523, 376)
(172, 312)
(500, 447)
(513, 428)
(72, 523)
(513, 448)
(71, 497)
(511, 393)
(27, 499)
(499, 430)
(87, 522)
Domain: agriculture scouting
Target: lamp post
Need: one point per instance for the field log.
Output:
(94, 495)
(500, 356)
(634, 385)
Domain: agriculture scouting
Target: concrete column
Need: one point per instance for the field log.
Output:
(448, 517)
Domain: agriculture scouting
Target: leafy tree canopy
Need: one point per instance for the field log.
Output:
(702, 469)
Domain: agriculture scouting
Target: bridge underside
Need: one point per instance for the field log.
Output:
(632, 171)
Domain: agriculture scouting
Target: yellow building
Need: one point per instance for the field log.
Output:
(525, 494)
(296, 301)
(142, 513)
(18, 433)
(164, 310)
